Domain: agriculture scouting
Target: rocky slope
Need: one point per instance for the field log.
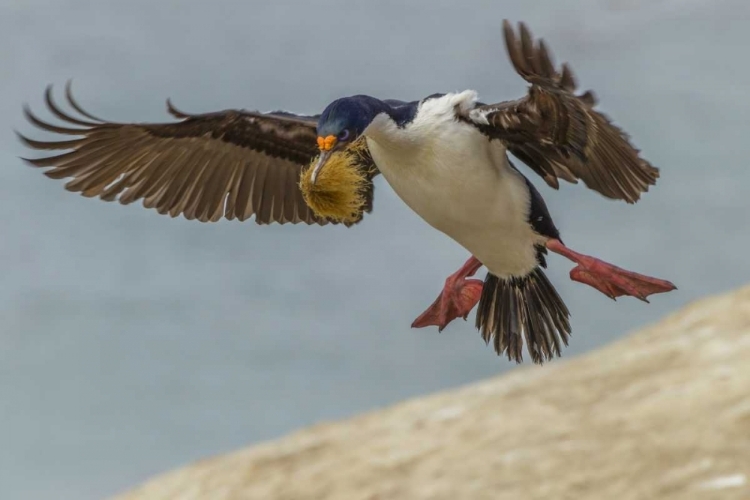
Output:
(663, 413)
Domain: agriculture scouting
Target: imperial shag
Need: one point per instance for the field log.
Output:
(446, 156)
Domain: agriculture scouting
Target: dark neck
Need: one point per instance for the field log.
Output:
(359, 111)
(369, 107)
(400, 112)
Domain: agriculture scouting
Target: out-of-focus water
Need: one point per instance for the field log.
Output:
(131, 343)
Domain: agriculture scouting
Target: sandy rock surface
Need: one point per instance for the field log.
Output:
(663, 413)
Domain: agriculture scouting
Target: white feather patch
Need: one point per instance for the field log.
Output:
(458, 181)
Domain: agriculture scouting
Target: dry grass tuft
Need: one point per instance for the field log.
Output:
(339, 192)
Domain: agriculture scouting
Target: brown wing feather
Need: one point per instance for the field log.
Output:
(230, 164)
(559, 134)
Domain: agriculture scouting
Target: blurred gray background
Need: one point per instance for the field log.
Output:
(131, 343)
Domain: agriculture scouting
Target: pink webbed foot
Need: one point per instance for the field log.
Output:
(609, 279)
(458, 298)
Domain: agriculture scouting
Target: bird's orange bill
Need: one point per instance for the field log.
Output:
(327, 143)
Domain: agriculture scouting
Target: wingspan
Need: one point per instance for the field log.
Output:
(557, 133)
(229, 164)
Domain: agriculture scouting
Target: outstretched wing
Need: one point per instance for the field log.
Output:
(230, 164)
(558, 133)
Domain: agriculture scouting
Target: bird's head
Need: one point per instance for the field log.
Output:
(341, 124)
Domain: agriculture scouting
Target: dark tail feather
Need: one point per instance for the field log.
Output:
(530, 305)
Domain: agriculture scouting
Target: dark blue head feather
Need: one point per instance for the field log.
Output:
(350, 116)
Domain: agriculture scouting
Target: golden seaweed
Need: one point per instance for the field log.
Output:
(339, 193)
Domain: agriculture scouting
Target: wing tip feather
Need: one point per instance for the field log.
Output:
(612, 166)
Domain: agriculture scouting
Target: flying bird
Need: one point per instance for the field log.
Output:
(446, 157)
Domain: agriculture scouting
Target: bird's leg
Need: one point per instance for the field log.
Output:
(458, 298)
(609, 279)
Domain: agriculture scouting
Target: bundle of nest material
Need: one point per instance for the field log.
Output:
(341, 189)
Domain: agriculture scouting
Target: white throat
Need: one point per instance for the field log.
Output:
(430, 117)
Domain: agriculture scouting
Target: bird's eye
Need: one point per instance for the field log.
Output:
(344, 135)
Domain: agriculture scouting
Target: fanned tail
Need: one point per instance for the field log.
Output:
(528, 305)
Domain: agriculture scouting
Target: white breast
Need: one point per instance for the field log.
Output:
(458, 182)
